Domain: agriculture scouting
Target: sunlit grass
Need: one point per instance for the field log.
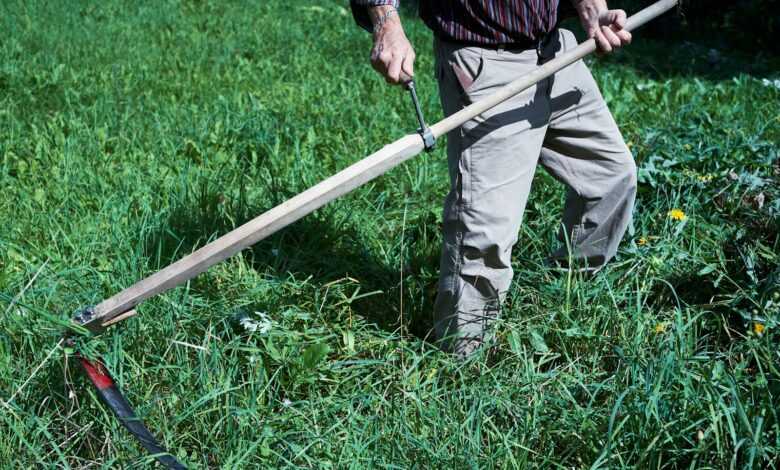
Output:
(132, 134)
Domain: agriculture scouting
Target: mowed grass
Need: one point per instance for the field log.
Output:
(132, 133)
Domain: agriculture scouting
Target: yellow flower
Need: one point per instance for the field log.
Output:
(642, 241)
(660, 328)
(705, 178)
(677, 214)
(758, 328)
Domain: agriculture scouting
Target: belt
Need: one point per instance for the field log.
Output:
(510, 46)
(516, 46)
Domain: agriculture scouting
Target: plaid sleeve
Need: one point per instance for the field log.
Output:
(360, 11)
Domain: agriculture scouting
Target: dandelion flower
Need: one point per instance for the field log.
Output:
(642, 241)
(758, 328)
(677, 214)
(659, 328)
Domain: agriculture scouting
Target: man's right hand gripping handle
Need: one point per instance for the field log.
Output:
(392, 55)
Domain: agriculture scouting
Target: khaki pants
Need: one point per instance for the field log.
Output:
(562, 123)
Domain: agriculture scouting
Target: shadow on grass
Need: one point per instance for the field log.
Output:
(667, 48)
(661, 60)
(318, 246)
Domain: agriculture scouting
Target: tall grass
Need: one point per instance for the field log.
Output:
(134, 132)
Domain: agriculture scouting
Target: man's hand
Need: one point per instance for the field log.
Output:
(392, 55)
(602, 24)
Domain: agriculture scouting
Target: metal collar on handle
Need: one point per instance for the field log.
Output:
(429, 140)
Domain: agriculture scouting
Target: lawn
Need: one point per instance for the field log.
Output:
(133, 132)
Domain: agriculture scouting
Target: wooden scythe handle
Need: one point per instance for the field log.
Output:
(111, 310)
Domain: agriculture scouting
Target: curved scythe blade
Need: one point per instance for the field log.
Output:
(111, 395)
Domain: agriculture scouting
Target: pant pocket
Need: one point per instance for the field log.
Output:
(468, 67)
(464, 77)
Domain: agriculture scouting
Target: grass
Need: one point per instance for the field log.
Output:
(133, 133)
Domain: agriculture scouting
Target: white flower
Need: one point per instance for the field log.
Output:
(775, 83)
(286, 403)
(261, 324)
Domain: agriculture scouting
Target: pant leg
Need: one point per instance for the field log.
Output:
(584, 149)
(491, 161)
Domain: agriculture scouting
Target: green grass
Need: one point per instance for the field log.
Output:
(131, 133)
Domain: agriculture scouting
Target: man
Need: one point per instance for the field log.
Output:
(562, 123)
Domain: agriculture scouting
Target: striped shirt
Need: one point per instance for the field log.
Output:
(477, 21)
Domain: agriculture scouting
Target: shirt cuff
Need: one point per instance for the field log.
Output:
(360, 11)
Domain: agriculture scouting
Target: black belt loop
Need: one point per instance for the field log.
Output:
(539, 49)
(542, 44)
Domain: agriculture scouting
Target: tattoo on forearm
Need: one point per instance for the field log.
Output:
(383, 19)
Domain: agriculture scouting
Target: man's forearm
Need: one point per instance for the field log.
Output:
(392, 55)
(585, 3)
(588, 9)
(362, 11)
(605, 26)
(381, 15)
